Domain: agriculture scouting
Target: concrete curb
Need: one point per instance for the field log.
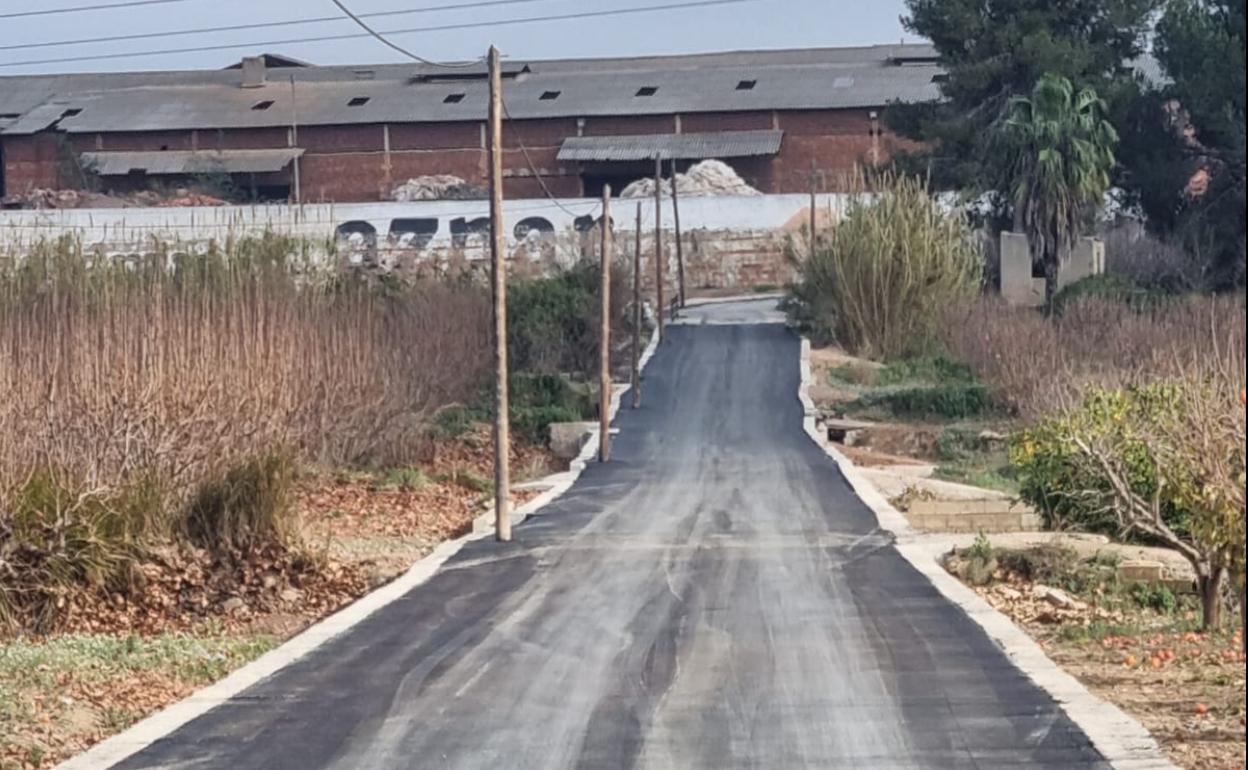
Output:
(1121, 740)
(122, 746)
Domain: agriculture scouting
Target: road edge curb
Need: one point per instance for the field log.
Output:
(120, 747)
(1122, 740)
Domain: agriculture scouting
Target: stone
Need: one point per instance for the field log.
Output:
(991, 439)
(291, 595)
(1141, 571)
(233, 605)
(568, 438)
(1054, 596)
(1005, 592)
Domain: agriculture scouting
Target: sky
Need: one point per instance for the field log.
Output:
(751, 24)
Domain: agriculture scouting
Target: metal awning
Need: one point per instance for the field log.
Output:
(702, 146)
(178, 162)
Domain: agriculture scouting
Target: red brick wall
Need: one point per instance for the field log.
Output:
(642, 124)
(725, 121)
(345, 163)
(431, 136)
(30, 162)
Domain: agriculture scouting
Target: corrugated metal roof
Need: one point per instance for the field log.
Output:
(718, 144)
(181, 162)
(784, 80)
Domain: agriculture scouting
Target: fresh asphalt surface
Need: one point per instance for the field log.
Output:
(714, 598)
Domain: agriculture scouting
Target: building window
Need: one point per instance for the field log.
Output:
(261, 106)
(453, 99)
(647, 90)
(358, 101)
(550, 96)
(747, 85)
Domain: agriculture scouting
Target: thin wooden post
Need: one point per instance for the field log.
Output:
(294, 140)
(814, 206)
(604, 346)
(498, 262)
(680, 249)
(637, 316)
(660, 307)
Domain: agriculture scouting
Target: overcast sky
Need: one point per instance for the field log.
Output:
(750, 24)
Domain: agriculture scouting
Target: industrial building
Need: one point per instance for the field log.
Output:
(282, 129)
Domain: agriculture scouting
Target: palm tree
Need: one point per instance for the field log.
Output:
(1060, 152)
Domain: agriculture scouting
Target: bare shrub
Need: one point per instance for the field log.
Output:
(879, 282)
(1151, 263)
(113, 372)
(1035, 365)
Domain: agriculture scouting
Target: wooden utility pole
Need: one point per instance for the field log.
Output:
(498, 262)
(604, 344)
(658, 241)
(636, 380)
(680, 249)
(814, 206)
(294, 139)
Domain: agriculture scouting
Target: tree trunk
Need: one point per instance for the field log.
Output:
(1211, 598)
(1052, 271)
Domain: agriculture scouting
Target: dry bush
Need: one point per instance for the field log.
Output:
(1151, 263)
(113, 372)
(1036, 365)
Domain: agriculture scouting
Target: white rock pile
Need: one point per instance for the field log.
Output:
(705, 179)
(439, 187)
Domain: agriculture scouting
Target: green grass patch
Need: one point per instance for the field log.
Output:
(937, 402)
(935, 370)
(193, 658)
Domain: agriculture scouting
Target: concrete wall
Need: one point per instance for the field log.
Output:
(728, 242)
(365, 162)
(1019, 284)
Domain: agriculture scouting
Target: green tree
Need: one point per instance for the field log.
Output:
(1059, 153)
(1200, 46)
(993, 50)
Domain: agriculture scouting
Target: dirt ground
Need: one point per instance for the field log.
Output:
(121, 660)
(1186, 687)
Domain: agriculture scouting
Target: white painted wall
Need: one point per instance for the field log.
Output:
(123, 228)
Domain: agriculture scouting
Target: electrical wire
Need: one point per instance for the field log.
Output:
(262, 25)
(81, 8)
(359, 36)
(395, 46)
(541, 181)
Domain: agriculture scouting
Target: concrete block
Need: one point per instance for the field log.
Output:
(567, 438)
(1019, 286)
(1141, 571)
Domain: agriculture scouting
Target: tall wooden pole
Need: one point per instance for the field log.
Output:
(294, 139)
(498, 262)
(814, 204)
(658, 241)
(604, 345)
(680, 249)
(637, 315)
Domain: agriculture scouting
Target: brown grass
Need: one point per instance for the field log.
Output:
(1037, 365)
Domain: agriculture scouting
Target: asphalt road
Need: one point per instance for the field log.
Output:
(715, 598)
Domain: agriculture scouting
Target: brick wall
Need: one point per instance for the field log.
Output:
(351, 163)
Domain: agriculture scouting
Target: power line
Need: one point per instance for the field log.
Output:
(401, 50)
(260, 25)
(81, 8)
(390, 44)
(359, 36)
(528, 160)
